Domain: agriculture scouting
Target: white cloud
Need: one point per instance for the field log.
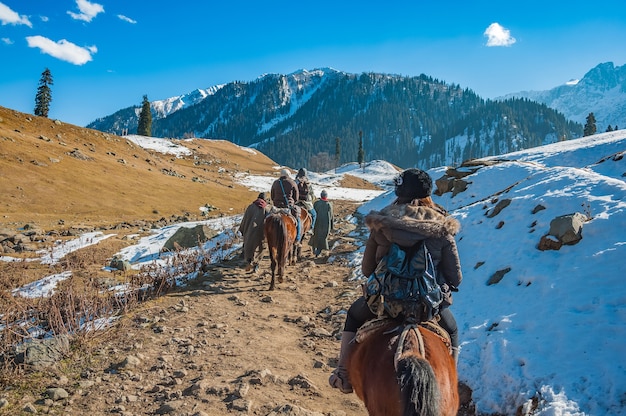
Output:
(63, 49)
(126, 19)
(7, 41)
(87, 10)
(498, 36)
(8, 16)
(44, 18)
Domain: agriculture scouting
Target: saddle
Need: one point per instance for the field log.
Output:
(371, 327)
(290, 212)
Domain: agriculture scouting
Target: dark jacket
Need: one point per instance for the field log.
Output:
(251, 228)
(290, 195)
(405, 225)
(305, 189)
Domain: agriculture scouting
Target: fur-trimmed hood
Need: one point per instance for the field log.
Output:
(425, 221)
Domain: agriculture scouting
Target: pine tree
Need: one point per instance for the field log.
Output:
(361, 155)
(144, 127)
(44, 94)
(337, 151)
(609, 128)
(590, 125)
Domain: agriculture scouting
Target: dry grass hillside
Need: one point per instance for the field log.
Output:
(52, 171)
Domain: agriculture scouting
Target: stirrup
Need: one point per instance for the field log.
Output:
(339, 380)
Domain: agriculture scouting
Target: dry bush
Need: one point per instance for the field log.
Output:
(18, 273)
(80, 308)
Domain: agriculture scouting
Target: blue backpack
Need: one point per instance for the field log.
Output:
(405, 284)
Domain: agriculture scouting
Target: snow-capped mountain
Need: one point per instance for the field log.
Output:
(163, 108)
(408, 121)
(602, 91)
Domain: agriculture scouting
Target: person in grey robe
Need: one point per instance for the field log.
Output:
(324, 224)
(251, 228)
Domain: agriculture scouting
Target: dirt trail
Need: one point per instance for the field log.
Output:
(224, 345)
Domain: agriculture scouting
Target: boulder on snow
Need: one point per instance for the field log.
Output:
(189, 237)
(568, 228)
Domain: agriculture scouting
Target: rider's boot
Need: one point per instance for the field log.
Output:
(339, 378)
(298, 236)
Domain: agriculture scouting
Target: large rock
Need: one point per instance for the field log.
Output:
(43, 353)
(120, 264)
(189, 237)
(568, 228)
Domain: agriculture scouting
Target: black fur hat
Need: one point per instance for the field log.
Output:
(413, 183)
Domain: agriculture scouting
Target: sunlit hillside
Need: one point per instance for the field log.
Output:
(55, 173)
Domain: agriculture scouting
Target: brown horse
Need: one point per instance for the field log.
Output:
(280, 234)
(403, 369)
(280, 230)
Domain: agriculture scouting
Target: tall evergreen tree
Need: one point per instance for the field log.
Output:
(337, 151)
(144, 126)
(361, 155)
(44, 94)
(590, 125)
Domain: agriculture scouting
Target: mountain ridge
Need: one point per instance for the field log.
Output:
(297, 119)
(601, 91)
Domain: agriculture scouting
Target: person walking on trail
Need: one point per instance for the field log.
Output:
(412, 217)
(307, 196)
(251, 228)
(324, 224)
(284, 194)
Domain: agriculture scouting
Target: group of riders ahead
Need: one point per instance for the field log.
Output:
(290, 196)
(411, 218)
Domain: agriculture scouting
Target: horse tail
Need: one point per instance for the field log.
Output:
(283, 237)
(419, 390)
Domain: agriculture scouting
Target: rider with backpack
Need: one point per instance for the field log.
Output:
(305, 190)
(284, 194)
(412, 217)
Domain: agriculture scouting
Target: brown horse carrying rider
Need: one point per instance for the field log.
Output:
(284, 194)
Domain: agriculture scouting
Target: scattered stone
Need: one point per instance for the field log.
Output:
(497, 276)
(57, 393)
(537, 209)
(240, 405)
(130, 362)
(291, 410)
(498, 208)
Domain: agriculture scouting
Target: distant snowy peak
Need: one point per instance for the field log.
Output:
(602, 91)
(296, 84)
(163, 108)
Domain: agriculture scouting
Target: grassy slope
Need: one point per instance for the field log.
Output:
(40, 183)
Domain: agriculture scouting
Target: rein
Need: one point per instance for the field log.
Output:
(400, 347)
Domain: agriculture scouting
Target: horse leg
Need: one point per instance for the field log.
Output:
(281, 270)
(273, 266)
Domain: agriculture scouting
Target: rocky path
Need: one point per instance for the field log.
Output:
(222, 345)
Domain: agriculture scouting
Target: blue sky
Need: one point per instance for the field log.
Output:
(105, 55)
